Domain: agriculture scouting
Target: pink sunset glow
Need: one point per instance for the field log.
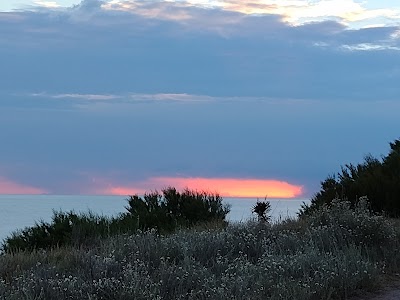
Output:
(9, 187)
(227, 187)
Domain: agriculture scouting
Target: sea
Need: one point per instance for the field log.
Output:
(20, 211)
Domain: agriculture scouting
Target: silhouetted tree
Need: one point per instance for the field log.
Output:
(377, 179)
(263, 210)
(167, 210)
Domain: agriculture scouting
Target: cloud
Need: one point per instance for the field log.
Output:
(180, 20)
(47, 4)
(218, 94)
(295, 12)
(123, 104)
(9, 187)
(177, 11)
(395, 35)
(227, 187)
(163, 97)
(289, 141)
(83, 96)
(130, 96)
(173, 97)
(369, 47)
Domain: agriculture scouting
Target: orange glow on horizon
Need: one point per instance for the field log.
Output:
(226, 187)
(9, 187)
(123, 191)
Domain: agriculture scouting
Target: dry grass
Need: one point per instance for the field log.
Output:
(329, 255)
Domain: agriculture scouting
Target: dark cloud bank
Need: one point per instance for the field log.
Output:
(273, 100)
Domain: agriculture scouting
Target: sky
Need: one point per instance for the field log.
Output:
(263, 98)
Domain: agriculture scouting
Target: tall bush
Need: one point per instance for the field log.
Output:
(378, 179)
(67, 228)
(164, 212)
(170, 209)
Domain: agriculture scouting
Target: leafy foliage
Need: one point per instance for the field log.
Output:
(172, 209)
(163, 212)
(67, 228)
(327, 255)
(263, 210)
(379, 180)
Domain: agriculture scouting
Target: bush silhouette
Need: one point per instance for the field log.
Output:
(171, 209)
(263, 210)
(378, 179)
(164, 212)
(67, 228)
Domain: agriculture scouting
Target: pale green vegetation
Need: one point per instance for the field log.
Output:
(327, 255)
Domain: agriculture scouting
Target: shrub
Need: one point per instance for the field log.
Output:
(65, 229)
(317, 258)
(171, 209)
(340, 225)
(263, 210)
(164, 212)
(374, 178)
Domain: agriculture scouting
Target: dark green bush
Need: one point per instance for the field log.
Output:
(263, 210)
(171, 209)
(64, 229)
(164, 212)
(377, 179)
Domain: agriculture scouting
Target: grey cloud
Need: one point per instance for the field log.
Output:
(295, 141)
(89, 5)
(113, 89)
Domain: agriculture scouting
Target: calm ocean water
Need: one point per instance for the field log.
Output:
(19, 211)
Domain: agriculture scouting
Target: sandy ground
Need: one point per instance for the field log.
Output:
(391, 291)
(387, 294)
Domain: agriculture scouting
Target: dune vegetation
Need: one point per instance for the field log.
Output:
(377, 178)
(178, 245)
(329, 254)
